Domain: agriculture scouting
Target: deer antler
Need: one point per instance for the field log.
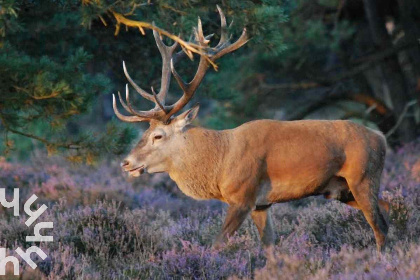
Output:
(166, 53)
(161, 111)
(223, 47)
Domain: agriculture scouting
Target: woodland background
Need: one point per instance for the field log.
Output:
(325, 59)
(339, 59)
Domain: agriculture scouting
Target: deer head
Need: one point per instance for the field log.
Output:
(160, 143)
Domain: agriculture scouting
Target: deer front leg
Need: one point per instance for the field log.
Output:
(234, 218)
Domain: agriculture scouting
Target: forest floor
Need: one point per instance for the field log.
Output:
(109, 227)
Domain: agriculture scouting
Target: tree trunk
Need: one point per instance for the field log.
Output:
(409, 12)
(393, 77)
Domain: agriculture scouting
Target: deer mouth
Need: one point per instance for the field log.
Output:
(136, 172)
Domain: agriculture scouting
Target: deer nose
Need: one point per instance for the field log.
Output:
(125, 163)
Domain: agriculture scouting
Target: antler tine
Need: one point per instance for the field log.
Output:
(138, 115)
(158, 102)
(199, 35)
(151, 114)
(224, 29)
(227, 48)
(127, 106)
(161, 45)
(142, 92)
(123, 104)
(166, 53)
(123, 117)
(183, 85)
(130, 108)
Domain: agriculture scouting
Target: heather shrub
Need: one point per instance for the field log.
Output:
(192, 261)
(109, 227)
(329, 224)
(349, 263)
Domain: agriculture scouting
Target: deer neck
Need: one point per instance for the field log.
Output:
(196, 166)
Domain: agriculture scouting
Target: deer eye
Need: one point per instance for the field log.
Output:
(157, 137)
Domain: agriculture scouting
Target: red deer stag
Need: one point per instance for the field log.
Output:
(258, 163)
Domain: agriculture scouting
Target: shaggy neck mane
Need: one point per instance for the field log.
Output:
(196, 167)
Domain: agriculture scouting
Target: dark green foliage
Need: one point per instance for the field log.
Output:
(47, 82)
(58, 57)
(60, 61)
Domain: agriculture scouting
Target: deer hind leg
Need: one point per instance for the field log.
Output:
(338, 189)
(366, 199)
(350, 200)
(262, 219)
(234, 219)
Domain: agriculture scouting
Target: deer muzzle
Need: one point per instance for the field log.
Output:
(132, 171)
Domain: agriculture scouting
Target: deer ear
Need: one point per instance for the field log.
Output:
(187, 117)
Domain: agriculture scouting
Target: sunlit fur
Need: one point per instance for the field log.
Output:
(264, 162)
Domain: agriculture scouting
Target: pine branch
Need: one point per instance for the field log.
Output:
(188, 47)
(42, 140)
